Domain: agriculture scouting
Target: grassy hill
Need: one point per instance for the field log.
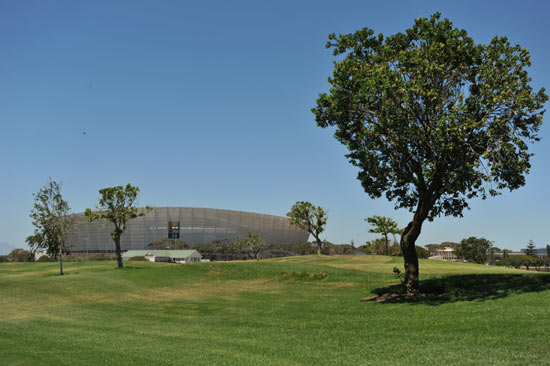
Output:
(288, 311)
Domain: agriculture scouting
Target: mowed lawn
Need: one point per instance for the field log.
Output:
(287, 311)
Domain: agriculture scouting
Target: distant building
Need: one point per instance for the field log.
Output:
(539, 252)
(446, 254)
(171, 256)
(190, 224)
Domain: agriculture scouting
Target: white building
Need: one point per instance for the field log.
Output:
(172, 256)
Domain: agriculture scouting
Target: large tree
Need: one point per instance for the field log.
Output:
(116, 204)
(52, 222)
(431, 119)
(383, 225)
(474, 249)
(310, 218)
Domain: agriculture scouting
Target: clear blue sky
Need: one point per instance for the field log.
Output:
(207, 104)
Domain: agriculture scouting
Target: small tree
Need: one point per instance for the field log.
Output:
(431, 119)
(252, 245)
(547, 250)
(531, 249)
(310, 218)
(383, 225)
(52, 222)
(474, 249)
(116, 205)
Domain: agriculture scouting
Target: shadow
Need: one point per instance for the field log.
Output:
(480, 287)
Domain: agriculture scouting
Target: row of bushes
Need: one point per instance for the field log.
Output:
(518, 261)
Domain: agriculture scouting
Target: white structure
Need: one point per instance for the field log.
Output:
(447, 254)
(172, 256)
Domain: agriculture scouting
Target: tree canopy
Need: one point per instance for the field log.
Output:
(310, 218)
(431, 119)
(51, 221)
(383, 225)
(474, 249)
(116, 204)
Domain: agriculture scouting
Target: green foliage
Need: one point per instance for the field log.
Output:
(4, 259)
(398, 274)
(100, 258)
(72, 258)
(45, 259)
(138, 258)
(378, 246)
(117, 205)
(51, 220)
(252, 245)
(531, 249)
(431, 119)
(20, 255)
(310, 218)
(517, 261)
(163, 244)
(473, 249)
(422, 252)
(383, 225)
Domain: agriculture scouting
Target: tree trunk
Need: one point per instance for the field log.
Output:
(118, 251)
(408, 241)
(386, 237)
(61, 263)
(319, 246)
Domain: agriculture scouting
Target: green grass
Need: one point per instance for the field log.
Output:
(289, 311)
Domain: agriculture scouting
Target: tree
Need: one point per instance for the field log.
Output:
(384, 226)
(547, 250)
(531, 250)
(20, 255)
(52, 222)
(474, 249)
(310, 218)
(116, 204)
(252, 245)
(431, 119)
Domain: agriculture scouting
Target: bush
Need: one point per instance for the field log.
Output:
(3, 258)
(20, 255)
(71, 258)
(138, 258)
(101, 257)
(45, 258)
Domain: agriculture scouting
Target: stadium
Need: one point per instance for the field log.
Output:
(190, 224)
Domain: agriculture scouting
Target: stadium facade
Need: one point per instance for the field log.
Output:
(190, 224)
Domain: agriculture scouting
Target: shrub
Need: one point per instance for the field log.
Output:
(101, 257)
(45, 258)
(71, 258)
(138, 258)
(20, 255)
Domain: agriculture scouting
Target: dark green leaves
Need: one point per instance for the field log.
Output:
(429, 116)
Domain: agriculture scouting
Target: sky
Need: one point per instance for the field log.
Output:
(208, 104)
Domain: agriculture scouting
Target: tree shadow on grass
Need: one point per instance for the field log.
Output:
(480, 287)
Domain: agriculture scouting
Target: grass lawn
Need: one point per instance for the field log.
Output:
(288, 311)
